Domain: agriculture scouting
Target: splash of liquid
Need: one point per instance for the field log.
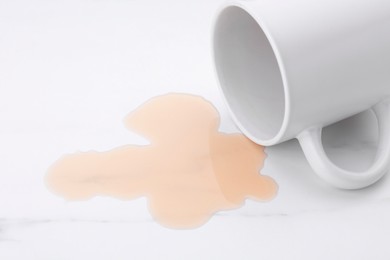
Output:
(188, 172)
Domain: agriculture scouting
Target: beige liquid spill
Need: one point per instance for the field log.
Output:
(188, 172)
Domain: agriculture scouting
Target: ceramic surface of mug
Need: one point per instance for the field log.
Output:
(289, 68)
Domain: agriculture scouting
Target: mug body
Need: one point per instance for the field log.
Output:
(287, 66)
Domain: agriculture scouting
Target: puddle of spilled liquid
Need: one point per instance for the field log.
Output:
(188, 172)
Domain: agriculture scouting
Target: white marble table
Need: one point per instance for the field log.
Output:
(71, 70)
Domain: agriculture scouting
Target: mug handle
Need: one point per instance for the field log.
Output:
(312, 147)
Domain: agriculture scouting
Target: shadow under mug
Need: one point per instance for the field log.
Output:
(289, 68)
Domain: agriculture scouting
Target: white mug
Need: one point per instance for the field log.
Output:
(287, 68)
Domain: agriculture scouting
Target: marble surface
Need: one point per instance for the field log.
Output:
(71, 70)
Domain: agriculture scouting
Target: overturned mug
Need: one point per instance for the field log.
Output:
(288, 68)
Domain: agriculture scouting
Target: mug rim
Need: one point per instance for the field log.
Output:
(280, 135)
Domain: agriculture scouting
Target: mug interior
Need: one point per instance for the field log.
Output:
(249, 74)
